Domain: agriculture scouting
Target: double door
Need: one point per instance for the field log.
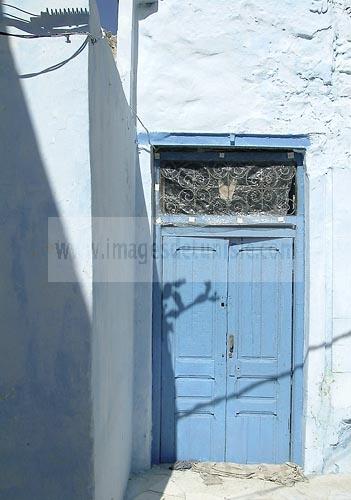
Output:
(226, 349)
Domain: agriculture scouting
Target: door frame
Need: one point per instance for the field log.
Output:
(235, 227)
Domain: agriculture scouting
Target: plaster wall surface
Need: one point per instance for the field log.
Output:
(142, 386)
(45, 353)
(114, 164)
(274, 68)
(66, 359)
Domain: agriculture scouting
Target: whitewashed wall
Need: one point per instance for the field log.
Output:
(274, 68)
(46, 426)
(113, 171)
(67, 148)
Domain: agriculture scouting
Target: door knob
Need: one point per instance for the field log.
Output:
(230, 346)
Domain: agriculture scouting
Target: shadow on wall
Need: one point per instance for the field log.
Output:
(53, 21)
(142, 413)
(173, 307)
(45, 414)
(120, 347)
(49, 23)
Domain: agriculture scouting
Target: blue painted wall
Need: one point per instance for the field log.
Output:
(45, 356)
(51, 447)
(113, 167)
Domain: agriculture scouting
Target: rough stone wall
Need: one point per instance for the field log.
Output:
(275, 68)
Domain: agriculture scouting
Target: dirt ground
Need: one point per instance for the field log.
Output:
(162, 483)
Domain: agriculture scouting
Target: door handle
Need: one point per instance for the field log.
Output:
(230, 346)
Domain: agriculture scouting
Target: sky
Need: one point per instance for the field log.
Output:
(108, 14)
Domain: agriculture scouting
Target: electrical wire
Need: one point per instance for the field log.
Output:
(57, 65)
(16, 18)
(141, 148)
(146, 129)
(50, 35)
(21, 10)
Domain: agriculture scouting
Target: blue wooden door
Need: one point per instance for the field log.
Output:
(226, 349)
(194, 349)
(259, 357)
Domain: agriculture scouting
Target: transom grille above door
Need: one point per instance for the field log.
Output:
(226, 188)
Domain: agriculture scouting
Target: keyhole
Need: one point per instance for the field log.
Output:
(222, 304)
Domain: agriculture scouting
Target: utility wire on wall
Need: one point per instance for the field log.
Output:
(52, 35)
(20, 10)
(50, 24)
(58, 65)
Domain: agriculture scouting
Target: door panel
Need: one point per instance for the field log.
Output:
(259, 372)
(217, 405)
(194, 348)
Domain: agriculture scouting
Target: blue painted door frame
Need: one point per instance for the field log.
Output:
(249, 227)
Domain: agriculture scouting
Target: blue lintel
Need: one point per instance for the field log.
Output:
(224, 140)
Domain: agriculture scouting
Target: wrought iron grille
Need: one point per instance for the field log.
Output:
(225, 188)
